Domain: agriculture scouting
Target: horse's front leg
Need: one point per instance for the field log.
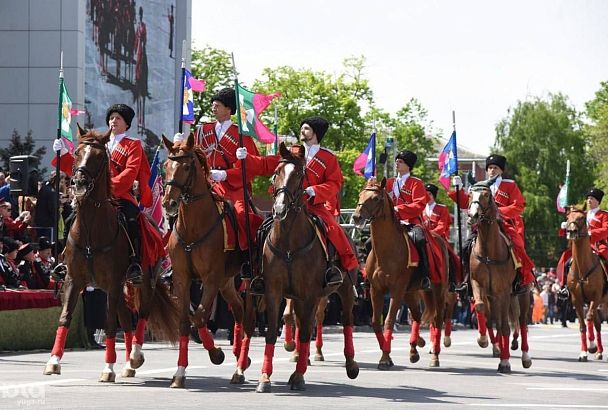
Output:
(273, 300)
(182, 291)
(201, 317)
(114, 294)
(580, 314)
(348, 300)
(244, 361)
(590, 327)
(598, 328)
(385, 362)
(288, 329)
(72, 291)
(524, 308)
(412, 302)
(503, 331)
(480, 310)
(304, 310)
(136, 358)
(124, 317)
(319, 318)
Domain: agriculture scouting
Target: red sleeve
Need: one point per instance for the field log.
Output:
(123, 182)
(443, 224)
(255, 166)
(601, 232)
(462, 196)
(14, 226)
(516, 206)
(415, 208)
(327, 191)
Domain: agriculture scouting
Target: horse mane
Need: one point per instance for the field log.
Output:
(202, 158)
(101, 138)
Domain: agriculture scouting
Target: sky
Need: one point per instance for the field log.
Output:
(477, 58)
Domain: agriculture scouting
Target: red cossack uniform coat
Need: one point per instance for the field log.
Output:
(439, 221)
(128, 163)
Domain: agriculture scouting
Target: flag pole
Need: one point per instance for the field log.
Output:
(276, 129)
(247, 268)
(374, 149)
(180, 124)
(457, 193)
(58, 159)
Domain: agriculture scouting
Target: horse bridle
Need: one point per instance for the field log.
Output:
(185, 188)
(580, 232)
(382, 197)
(483, 217)
(93, 177)
(294, 201)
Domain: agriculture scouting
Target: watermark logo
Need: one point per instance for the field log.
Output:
(23, 395)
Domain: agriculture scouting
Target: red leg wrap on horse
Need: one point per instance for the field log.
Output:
(583, 341)
(415, 333)
(206, 337)
(110, 349)
(432, 334)
(128, 344)
(349, 347)
(600, 347)
(380, 338)
(297, 339)
(436, 340)
(304, 351)
(590, 330)
(448, 327)
(243, 361)
(524, 338)
(492, 335)
(182, 358)
(288, 332)
(268, 355)
(481, 323)
(504, 348)
(388, 338)
(319, 339)
(60, 336)
(139, 332)
(237, 339)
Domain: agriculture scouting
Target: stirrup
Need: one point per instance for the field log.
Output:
(425, 284)
(135, 274)
(451, 287)
(59, 272)
(333, 276)
(563, 293)
(257, 287)
(519, 289)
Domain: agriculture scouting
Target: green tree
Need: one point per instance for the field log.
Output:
(25, 147)
(597, 112)
(538, 137)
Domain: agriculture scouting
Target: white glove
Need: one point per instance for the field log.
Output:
(457, 182)
(218, 175)
(564, 225)
(310, 191)
(179, 137)
(57, 144)
(241, 153)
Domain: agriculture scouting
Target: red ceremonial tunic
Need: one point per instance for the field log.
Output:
(438, 221)
(128, 163)
(221, 154)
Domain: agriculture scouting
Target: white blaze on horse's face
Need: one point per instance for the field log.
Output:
(279, 202)
(474, 204)
(80, 180)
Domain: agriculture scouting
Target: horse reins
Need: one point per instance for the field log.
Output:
(581, 233)
(185, 188)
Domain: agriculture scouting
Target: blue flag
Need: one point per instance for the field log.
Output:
(191, 85)
(448, 161)
(367, 159)
(156, 186)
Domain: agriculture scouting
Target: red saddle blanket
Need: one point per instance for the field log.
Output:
(152, 246)
(437, 272)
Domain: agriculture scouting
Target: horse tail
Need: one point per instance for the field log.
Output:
(164, 314)
(514, 312)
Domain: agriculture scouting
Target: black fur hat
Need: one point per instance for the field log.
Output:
(408, 157)
(498, 160)
(596, 193)
(10, 245)
(318, 124)
(432, 189)
(125, 112)
(227, 97)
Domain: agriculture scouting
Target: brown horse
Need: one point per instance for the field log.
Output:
(293, 266)
(492, 270)
(387, 270)
(586, 281)
(97, 253)
(196, 247)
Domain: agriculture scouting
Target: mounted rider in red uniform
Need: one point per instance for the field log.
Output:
(597, 222)
(511, 205)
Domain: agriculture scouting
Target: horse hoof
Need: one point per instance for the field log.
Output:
(482, 341)
(137, 361)
(216, 355)
(495, 350)
(178, 382)
(107, 377)
(289, 346)
(447, 341)
(514, 344)
(352, 370)
(296, 382)
(599, 356)
(237, 379)
(126, 372)
(384, 366)
(414, 357)
(592, 349)
(504, 369)
(526, 363)
(263, 387)
(582, 358)
(319, 357)
(434, 362)
(52, 369)
(420, 342)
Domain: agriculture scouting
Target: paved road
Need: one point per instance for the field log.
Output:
(467, 377)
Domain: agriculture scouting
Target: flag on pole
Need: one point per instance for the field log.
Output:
(191, 85)
(367, 160)
(448, 161)
(251, 106)
(562, 197)
(155, 211)
(65, 121)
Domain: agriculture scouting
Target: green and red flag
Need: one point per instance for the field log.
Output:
(65, 121)
(251, 106)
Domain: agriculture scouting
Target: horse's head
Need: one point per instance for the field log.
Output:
(288, 180)
(185, 161)
(482, 207)
(371, 202)
(576, 224)
(91, 163)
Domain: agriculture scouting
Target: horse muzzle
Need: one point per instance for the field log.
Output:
(359, 221)
(171, 207)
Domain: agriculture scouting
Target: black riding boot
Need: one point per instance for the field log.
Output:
(417, 235)
(333, 274)
(518, 287)
(134, 271)
(464, 288)
(564, 292)
(451, 272)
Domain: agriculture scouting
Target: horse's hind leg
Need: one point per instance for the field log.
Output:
(288, 329)
(348, 300)
(496, 342)
(201, 317)
(524, 309)
(590, 327)
(598, 328)
(319, 318)
(389, 323)
(304, 310)
(416, 341)
(72, 292)
(272, 305)
(244, 361)
(235, 302)
(114, 294)
(124, 317)
(377, 299)
(182, 291)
